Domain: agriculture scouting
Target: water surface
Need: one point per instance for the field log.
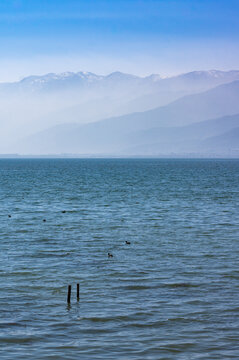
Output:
(173, 293)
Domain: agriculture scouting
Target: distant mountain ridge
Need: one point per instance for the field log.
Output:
(198, 80)
(218, 135)
(88, 113)
(172, 125)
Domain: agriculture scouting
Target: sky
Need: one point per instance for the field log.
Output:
(133, 36)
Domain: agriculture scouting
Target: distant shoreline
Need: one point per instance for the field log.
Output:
(106, 156)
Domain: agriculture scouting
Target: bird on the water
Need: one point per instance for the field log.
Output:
(127, 242)
(110, 255)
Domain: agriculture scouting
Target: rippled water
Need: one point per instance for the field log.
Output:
(173, 293)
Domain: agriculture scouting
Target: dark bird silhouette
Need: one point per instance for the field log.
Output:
(127, 242)
(44, 220)
(63, 211)
(110, 255)
(9, 216)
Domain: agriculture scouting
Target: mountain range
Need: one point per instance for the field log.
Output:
(193, 81)
(194, 113)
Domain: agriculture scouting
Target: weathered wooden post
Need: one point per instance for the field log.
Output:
(78, 291)
(69, 294)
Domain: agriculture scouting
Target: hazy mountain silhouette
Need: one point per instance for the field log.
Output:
(193, 81)
(115, 135)
(225, 143)
(201, 137)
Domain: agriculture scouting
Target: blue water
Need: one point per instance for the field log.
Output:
(173, 293)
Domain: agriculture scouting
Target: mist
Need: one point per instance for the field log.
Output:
(50, 114)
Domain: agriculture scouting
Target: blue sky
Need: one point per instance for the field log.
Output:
(136, 36)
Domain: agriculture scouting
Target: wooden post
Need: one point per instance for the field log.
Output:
(78, 291)
(69, 294)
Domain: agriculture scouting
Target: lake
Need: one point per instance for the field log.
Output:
(172, 293)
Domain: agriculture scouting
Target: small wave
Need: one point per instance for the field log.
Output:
(180, 285)
(17, 340)
(106, 319)
(231, 276)
(4, 325)
(186, 320)
(45, 254)
(136, 287)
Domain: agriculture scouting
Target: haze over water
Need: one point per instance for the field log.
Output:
(171, 294)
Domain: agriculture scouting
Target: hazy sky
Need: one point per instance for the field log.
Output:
(136, 36)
